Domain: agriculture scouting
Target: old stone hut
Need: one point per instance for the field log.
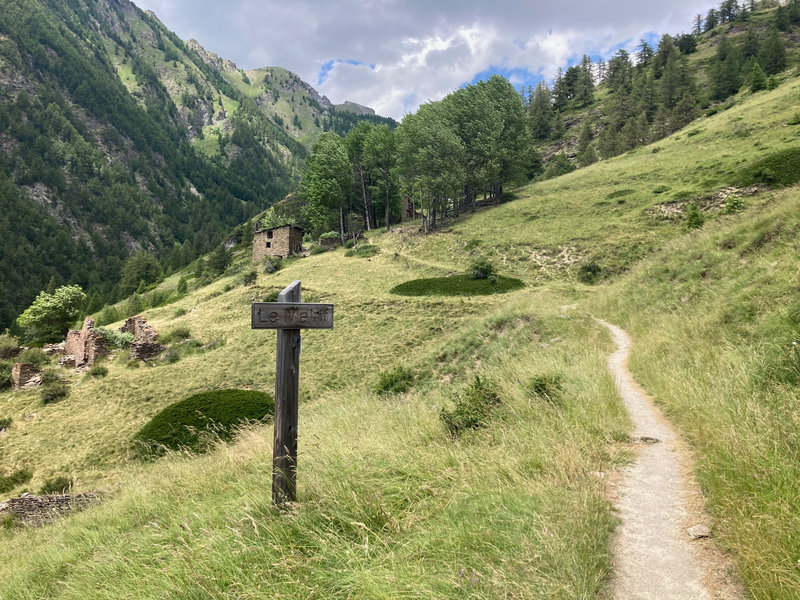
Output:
(278, 241)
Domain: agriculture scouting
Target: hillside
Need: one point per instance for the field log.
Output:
(390, 503)
(116, 136)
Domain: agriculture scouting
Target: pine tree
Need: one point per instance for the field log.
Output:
(586, 153)
(697, 29)
(758, 79)
(712, 20)
(645, 53)
(584, 87)
(541, 112)
(772, 56)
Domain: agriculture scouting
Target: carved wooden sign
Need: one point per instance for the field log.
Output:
(291, 315)
(288, 315)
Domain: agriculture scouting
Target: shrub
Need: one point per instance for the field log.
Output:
(183, 286)
(18, 477)
(395, 381)
(481, 269)
(56, 485)
(795, 120)
(694, 218)
(457, 285)
(115, 338)
(5, 423)
(472, 407)
(363, 251)
(170, 356)
(317, 250)
(98, 371)
(34, 356)
(349, 243)
(272, 264)
(546, 387)
(660, 189)
(5, 374)
(619, 194)
(50, 376)
(329, 235)
(779, 168)
(250, 277)
(7, 342)
(733, 204)
(183, 424)
(54, 392)
(590, 273)
(173, 335)
(109, 314)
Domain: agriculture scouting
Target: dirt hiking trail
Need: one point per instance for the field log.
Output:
(655, 557)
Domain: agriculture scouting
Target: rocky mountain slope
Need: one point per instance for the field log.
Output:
(116, 136)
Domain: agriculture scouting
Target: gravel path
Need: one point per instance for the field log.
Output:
(658, 501)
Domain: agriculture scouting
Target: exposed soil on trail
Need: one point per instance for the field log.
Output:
(655, 558)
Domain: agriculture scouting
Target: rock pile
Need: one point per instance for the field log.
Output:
(38, 510)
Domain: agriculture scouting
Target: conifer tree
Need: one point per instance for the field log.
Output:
(758, 79)
(541, 112)
(584, 87)
(772, 56)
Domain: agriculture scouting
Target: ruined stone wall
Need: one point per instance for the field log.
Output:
(85, 345)
(140, 329)
(36, 510)
(22, 374)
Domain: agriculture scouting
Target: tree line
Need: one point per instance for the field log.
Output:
(441, 158)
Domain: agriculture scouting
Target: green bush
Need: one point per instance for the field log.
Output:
(250, 277)
(590, 273)
(317, 250)
(54, 392)
(98, 371)
(18, 477)
(481, 269)
(189, 423)
(34, 356)
(457, 285)
(733, 204)
(5, 374)
(109, 314)
(50, 376)
(7, 342)
(176, 334)
(272, 264)
(694, 218)
(329, 235)
(5, 422)
(660, 189)
(363, 251)
(546, 387)
(472, 407)
(349, 243)
(780, 168)
(115, 338)
(395, 381)
(56, 485)
(619, 194)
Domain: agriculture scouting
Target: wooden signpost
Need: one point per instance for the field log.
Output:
(288, 315)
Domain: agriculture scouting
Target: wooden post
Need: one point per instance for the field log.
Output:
(288, 315)
(287, 381)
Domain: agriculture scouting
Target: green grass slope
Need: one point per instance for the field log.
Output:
(391, 504)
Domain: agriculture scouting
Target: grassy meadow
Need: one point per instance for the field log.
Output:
(393, 505)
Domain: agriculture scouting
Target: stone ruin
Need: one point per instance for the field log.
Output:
(85, 346)
(25, 375)
(38, 510)
(146, 344)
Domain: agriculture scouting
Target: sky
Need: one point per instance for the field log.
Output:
(394, 55)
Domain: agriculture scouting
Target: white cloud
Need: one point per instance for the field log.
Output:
(420, 49)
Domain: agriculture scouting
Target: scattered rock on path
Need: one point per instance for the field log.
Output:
(698, 532)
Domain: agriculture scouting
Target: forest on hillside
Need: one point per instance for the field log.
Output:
(452, 152)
